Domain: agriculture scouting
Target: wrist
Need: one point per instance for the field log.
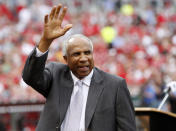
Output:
(46, 41)
(44, 44)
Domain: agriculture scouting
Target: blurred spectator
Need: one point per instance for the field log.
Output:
(108, 33)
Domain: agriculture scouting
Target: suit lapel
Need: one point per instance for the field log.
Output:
(65, 92)
(93, 95)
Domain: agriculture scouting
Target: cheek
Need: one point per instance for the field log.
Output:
(91, 61)
(72, 63)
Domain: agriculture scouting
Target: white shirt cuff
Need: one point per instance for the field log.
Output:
(39, 53)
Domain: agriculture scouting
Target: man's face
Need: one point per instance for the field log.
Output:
(79, 57)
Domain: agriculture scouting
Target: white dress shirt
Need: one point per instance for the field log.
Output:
(86, 84)
(39, 53)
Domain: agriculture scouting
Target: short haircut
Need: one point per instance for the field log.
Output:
(66, 42)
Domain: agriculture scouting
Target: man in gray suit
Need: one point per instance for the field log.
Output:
(100, 103)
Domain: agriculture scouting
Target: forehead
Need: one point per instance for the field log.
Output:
(78, 43)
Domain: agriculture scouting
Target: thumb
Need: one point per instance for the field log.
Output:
(67, 27)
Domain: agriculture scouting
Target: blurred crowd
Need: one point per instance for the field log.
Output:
(134, 39)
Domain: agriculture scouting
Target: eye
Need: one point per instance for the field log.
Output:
(76, 54)
(87, 52)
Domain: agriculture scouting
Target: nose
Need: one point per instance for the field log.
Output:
(83, 58)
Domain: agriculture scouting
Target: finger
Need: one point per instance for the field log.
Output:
(61, 17)
(66, 28)
(58, 10)
(52, 13)
(46, 19)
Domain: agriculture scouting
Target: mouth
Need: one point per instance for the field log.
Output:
(83, 68)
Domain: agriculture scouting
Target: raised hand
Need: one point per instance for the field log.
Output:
(53, 27)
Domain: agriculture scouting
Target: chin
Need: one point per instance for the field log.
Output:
(82, 75)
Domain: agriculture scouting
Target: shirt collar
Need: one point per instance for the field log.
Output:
(86, 80)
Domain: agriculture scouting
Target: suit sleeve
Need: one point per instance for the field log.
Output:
(124, 109)
(36, 74)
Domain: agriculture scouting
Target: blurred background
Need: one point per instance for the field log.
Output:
(134, 39)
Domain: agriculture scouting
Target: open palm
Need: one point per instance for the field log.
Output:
(53, 23)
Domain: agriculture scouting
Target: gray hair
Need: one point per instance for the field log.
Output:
(66, 42)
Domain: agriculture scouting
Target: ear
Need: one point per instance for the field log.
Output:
(65, 58)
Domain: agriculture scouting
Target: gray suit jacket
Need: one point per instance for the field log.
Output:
(108, 108)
